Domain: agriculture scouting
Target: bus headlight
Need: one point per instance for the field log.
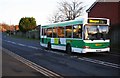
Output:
(86, 47)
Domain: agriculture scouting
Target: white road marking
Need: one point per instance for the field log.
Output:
(73, 56)
(21, 44)
(100, 62)
(13, 42)
(40, 48)
(9, 41)
(33, 47)
(52, 51)
(56, 52)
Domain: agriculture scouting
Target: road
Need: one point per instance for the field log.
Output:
(98, 64)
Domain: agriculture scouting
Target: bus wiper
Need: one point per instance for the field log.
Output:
(103, 36)
(92, 37)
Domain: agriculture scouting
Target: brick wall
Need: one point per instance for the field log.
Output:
(108, 10)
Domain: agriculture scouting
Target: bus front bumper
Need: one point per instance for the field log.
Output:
(96, 50)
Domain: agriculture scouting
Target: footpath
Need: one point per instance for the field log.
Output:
(12, 68)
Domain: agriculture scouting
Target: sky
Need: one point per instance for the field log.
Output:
(11, 11)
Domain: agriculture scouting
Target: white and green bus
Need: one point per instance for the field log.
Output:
(82, 35)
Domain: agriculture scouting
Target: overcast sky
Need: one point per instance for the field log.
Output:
(12, 10)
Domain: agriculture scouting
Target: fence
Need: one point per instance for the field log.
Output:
(30, 34)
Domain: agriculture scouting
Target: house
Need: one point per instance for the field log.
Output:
(16, 27)
(2, 28)
(106, 9)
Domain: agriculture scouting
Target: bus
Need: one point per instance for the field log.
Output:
(82, 35)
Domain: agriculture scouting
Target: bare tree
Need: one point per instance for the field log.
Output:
(67, 10)
(71, 9)
(56, 17)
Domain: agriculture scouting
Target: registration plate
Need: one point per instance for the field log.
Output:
(98, 50)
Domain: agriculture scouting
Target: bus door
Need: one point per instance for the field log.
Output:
(44, 35)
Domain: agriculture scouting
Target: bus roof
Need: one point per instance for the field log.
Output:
(66, 23)
(71, 22)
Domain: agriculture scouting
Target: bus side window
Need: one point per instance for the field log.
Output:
(45, 31)
(55, 32)
(77, 31)
(68, 31)
(49, 32)
(60, 31)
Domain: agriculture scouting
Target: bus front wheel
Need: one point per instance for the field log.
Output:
(68, 49)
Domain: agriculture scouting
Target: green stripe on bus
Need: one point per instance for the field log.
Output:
(97, 45)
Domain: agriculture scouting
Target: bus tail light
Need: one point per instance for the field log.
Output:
(86, 47)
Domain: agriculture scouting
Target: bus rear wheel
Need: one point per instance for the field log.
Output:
(68, 49)
(49, 46)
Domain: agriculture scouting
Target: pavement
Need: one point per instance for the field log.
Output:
(13, 67)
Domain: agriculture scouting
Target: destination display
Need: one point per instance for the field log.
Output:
(97, 21)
